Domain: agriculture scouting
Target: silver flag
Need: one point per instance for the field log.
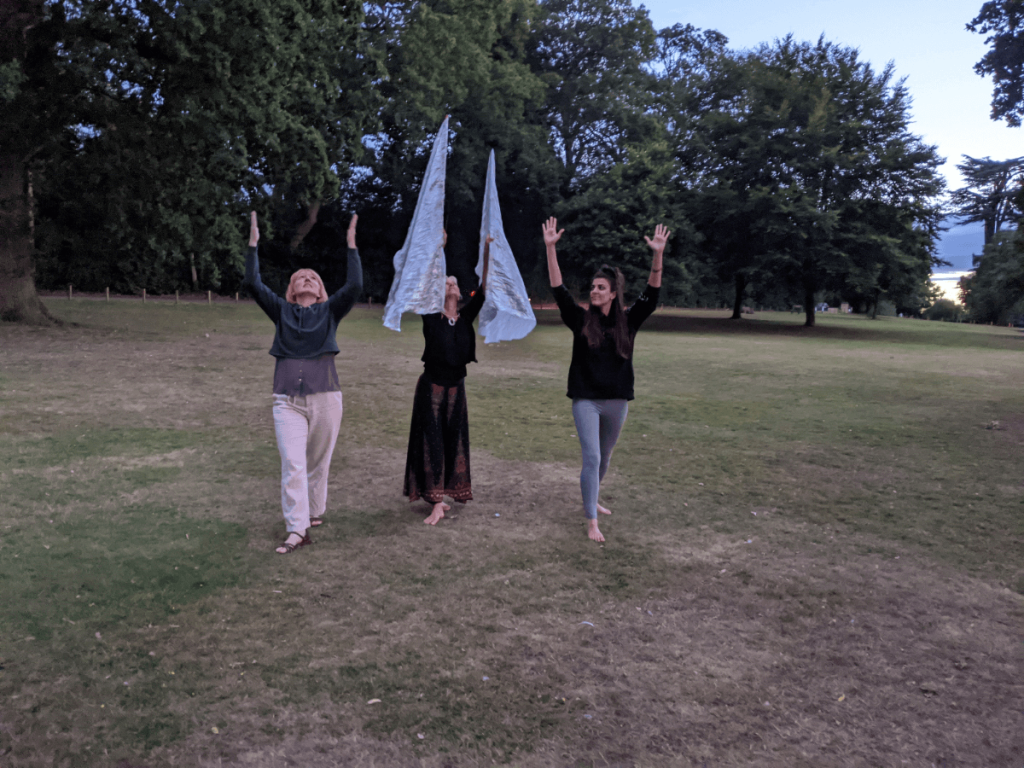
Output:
(420, 268)
(506, 314)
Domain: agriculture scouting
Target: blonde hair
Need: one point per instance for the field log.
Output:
(321, 296)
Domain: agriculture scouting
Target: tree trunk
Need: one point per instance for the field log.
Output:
(809, 305)
(737, 305)
(19, 301)
(874, 307)
(304, 227)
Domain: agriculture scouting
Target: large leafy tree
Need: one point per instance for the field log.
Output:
(150, 127)
(813, 179)
(593, 57)
(992, 194)
(1003, 22)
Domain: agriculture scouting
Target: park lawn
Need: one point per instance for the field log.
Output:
(815, 556)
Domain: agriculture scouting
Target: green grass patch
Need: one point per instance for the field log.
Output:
(769, 480)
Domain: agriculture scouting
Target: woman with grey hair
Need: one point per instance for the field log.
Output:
(307, 393)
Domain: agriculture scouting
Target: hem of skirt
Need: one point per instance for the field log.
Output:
(437, 496)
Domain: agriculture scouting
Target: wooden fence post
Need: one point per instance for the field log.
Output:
(175, 296)
(236, 295)
(69, 291)
(209, 297)
(143, 295)
(108, 293)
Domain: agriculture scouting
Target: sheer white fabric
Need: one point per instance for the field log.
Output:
(506, 314)
(420, 268)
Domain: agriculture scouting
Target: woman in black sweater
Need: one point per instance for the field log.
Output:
(307, 393)
(437, 462)
(601, 370)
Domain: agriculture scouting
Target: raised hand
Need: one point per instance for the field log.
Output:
(351, 235)
(552, 234)
(661, 236)
(254, 230)
(487, 261)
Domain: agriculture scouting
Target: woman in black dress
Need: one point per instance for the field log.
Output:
(437, 463)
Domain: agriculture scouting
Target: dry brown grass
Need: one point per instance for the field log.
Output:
(820, 632)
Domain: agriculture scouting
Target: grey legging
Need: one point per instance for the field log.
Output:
(598, 424)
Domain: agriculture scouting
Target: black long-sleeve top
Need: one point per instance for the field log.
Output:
(602, 374)
(305, 332)
(450, 348)
(304, 337)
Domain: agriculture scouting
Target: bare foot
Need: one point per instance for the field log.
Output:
(603, 510)
(438, 512)
(593, 531)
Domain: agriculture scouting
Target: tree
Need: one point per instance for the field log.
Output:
(995, 292)
(151, 127)
(992, 194)
(592, 56)
(607, 220)
(1003, 22)
(18, 298)
(812, 177)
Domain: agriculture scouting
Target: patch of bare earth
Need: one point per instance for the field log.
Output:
(766, 654)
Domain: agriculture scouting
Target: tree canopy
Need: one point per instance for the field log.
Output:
(140, 132)
(1003, 22)
(150, 128)
(992, 193)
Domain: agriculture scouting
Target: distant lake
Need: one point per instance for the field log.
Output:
(958, 245)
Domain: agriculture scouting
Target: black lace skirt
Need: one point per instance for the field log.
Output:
(437, 464)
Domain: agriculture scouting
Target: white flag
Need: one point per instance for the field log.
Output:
(420, 269)
(506, 314)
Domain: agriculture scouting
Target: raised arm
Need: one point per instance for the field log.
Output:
(552, 234)
(487, 262)
(345, 297)
(661, 236)
(267, 300)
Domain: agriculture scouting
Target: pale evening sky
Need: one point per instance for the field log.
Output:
(925, 40)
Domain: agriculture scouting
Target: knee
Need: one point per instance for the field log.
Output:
(292, 467)
(591, 459)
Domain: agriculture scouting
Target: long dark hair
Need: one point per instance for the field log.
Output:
(593, 331)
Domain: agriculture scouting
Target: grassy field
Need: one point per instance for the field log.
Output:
(816, 556)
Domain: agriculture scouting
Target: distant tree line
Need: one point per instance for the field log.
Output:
(137, 134)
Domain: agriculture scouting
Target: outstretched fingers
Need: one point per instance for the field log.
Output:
(661, 236)
(552, 233)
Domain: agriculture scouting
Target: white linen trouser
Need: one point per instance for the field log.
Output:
(307, 429)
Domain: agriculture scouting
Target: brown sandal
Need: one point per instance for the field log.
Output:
(288, 548)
